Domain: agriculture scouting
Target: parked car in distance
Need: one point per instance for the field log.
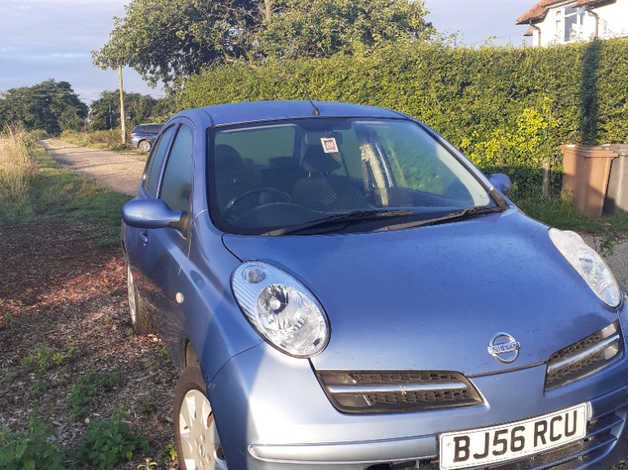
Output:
(143, 136)
(341, 288)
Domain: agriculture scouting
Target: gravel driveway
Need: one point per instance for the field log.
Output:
(113, 170)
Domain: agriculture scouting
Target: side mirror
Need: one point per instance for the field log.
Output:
(151, 213)
(501, 182)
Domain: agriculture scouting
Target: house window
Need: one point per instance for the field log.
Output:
(571, 23)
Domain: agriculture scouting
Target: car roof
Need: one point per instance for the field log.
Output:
(240, 113)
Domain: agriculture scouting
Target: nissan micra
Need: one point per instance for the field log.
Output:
(340, 288)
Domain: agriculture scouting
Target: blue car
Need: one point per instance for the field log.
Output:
(340, 288)
(143, 136)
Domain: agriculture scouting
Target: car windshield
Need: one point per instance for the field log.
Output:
(264, 177)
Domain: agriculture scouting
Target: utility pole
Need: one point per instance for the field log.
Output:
(268, 12)
(122, 113)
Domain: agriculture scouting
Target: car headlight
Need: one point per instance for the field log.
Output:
(281, 309)
(588, 264)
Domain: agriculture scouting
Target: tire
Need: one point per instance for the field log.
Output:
(193, 416)
(139, 320)
(144, 146)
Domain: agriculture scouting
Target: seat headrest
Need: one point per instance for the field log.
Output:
(317, 160)
(225, 155)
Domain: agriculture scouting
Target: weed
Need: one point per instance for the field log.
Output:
(44, 359)
(169, 454)
(7, 321)
(108, 443)
(30, 450)
(85, 389)
(10, 377)
(147, 465)
(37, 390)
(147, 404)
(606, 243)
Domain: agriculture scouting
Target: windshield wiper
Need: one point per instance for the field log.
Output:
(345, 218)
(451, 217)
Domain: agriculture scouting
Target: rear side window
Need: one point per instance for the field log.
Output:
(153, 167)
(176, 188)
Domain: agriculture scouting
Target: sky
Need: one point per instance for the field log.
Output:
(42, 39)
(477, 20)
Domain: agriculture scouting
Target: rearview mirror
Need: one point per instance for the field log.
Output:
(151, 213)
(501, 182)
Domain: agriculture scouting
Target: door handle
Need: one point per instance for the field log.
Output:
(144, 238)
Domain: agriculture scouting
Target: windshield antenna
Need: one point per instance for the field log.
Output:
(315, 109)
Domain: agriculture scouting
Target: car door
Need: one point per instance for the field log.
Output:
(136, 238)
(165, 250)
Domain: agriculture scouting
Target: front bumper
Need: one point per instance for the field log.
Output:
(273, 415)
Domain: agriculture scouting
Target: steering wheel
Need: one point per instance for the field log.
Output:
(233, 203)
(274, 213)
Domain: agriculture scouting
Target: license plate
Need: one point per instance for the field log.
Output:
(496, 444)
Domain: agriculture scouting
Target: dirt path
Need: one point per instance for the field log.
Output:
(113, 170)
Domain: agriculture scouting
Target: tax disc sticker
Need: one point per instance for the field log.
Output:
(329, 145)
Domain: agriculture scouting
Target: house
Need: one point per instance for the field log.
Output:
(566, 21)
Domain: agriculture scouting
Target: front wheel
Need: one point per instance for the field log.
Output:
(198, 443)
(144, 146)
(139, 320)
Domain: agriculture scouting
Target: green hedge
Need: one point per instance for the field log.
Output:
(506, 108)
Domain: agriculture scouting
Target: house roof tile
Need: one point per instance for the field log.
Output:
(538, 11)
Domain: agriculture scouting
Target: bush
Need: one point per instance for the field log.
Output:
(108, 140)
(504, 107)
(31, 450)
(108, 443)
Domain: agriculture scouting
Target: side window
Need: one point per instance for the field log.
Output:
(176, 188)
(153, 167)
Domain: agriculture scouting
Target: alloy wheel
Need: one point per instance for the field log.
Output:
(132, 295)
(200, 444)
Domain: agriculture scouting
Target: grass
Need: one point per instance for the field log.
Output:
(102, 140)
(16, 166)
(53, 193)
(561, 213)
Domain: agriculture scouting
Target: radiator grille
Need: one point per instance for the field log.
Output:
(584, 357)
(397, 392)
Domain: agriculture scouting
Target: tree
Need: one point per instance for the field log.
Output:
(50, 105)
(70, 120)
(169, 40)
(105, 111)
(321, 28)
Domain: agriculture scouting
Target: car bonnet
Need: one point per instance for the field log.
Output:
(432, 298)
